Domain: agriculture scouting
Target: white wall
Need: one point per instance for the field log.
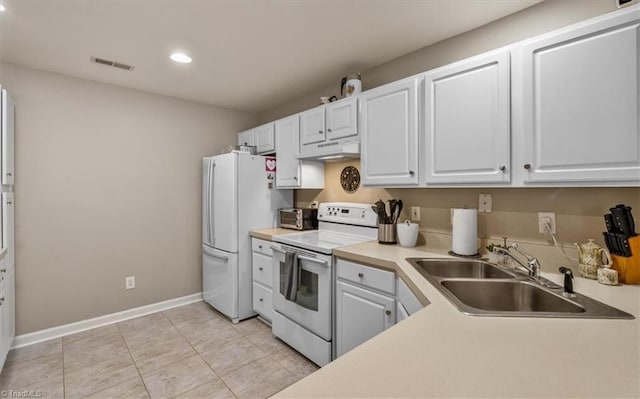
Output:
(107, 186)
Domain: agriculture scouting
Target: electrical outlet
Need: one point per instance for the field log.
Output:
(485, 203)
(546, 217)
(415, 213)
(130, 282)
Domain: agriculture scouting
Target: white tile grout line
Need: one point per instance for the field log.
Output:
(100, 321)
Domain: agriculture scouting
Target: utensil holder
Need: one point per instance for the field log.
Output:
(628, 268)
(387, 233)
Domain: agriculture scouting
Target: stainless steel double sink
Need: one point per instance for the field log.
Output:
(479, 288)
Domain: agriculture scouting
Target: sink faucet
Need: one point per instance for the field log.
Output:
(532, 266)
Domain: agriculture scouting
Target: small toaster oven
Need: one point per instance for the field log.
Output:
(299, 218)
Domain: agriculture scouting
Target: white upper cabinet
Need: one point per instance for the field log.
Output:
(287, 166)
(330, 129)
(246, 138)
(342, 118)
(7, 121)
(388, 121)
(576, 103)
(312, 128)
(467, 124)
(290, 171)
(265, 139)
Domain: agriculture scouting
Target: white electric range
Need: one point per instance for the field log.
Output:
(303, 289)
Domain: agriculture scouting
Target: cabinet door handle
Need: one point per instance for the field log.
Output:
(329, 130)
(411, 173)
(260, 268)
(261, 300)
(527, 166)
(387, 312)
(9, 174)
(260, 246)
(503, 168)
(295, 177)
(360, 275)
(9, 202)
(319, 131)
(1, 300)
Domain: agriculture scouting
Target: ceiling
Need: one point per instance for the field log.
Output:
(249, 55)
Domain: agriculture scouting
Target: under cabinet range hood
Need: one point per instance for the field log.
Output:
(330, 131)
(333, 151)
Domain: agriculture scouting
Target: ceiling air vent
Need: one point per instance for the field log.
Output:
(112, 63)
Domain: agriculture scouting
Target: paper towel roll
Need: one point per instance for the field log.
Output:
(465, 231)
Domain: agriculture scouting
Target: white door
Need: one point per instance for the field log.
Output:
(467, 124)
(246, 137)
(360, 315)
(224, 204)
(8, 133)
(342, 118)
(288, 167)
(8, 227)
(389, 124)
(577, 96)
(312, 126)
(265, 138)
(220, 280)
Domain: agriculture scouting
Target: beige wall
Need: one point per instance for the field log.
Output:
(543, 17)
(107, 186)
(579, 210)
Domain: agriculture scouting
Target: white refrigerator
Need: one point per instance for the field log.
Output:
(238, 195)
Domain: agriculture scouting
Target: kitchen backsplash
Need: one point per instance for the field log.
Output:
(579, 211)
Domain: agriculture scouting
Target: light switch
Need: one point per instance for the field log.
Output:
(485, 203)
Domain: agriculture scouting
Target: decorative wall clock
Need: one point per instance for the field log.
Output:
(350, 179)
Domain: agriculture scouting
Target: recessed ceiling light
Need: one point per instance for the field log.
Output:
(2, 8)
(181, 58)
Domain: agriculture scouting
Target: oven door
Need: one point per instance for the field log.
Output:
(311, 307)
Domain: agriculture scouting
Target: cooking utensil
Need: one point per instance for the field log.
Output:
(610, 223)
(398, 211)
(623, 219)
(392, 210)
(607, 241)
(382, 213)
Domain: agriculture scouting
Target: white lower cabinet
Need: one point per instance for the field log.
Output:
(362, 311)
(262, 273)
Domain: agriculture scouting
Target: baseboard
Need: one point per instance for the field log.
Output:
(79, 326)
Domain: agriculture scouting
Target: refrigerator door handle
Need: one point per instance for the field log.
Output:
(205, 203)
(225, 259)
(212, 235)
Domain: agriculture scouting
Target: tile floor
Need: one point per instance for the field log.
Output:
(186, 352)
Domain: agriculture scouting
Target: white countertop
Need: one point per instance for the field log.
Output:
(440, 352)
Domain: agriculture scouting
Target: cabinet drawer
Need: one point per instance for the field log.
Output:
(368, 276)
(262, 269)
(262, 301)
(261, 246)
